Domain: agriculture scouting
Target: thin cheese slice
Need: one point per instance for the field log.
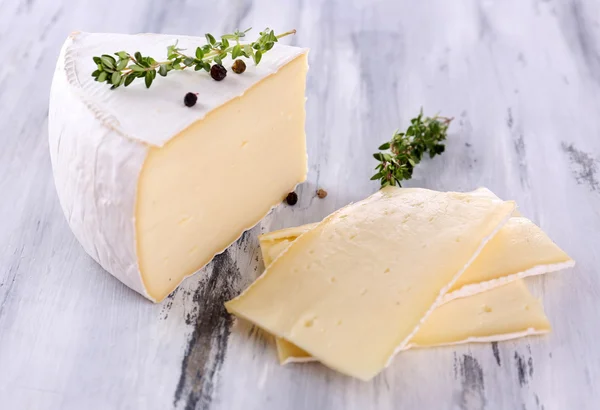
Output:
(502, 313)
(520, 249)
(353, 290)
(505, 312)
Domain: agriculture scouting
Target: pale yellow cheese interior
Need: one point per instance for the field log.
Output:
(518, 247)
(505, 312)
(500, 313)
(353, 289)
(219, 177)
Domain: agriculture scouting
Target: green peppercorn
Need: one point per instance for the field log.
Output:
(292, 198)
(238, 66)
(218, 72)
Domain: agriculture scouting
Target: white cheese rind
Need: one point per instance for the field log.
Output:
(95, 172)
(166, 94)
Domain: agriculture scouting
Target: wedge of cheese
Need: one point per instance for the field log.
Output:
(153, 189)
(353, 291)
(504, 312)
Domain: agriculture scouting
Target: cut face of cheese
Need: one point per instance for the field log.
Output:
(501, 313)
(352, 291)
(147, 183)
(181, 198)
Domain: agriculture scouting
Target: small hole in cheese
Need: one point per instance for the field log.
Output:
(309, 323)
(487, 309)
(387, 270)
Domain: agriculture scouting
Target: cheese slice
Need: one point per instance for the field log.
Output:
(352, 291)
(153, 189)
(520, 249)
(504, 312)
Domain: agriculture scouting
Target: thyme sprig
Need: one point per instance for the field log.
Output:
(404, 151)
(125, 68)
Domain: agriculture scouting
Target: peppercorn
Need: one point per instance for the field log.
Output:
(238, 66)
(321, 193)
(190, 99)
(218, 72)
(292, 198)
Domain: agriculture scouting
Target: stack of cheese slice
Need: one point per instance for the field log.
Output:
(403, 268)
(153, 189)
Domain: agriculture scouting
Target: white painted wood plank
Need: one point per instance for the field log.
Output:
(522, 80)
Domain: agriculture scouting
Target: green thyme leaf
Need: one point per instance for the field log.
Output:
(108, 61)
(148, 79)
(210, 39)
(257, 56)
(129, 80)
(116, 77)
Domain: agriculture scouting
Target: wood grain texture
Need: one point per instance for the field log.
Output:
(522, 79)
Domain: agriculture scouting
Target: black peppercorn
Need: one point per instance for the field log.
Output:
(190, 99)
(238, 66)
(292, 198)
(218, 72)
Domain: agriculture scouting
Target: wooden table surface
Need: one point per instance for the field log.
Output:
(522, 79)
